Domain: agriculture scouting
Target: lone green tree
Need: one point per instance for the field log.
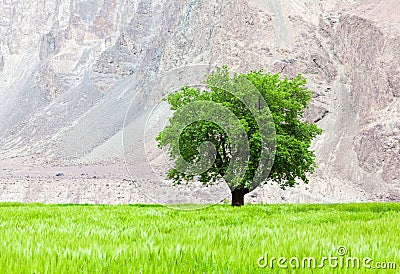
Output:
(244, 128)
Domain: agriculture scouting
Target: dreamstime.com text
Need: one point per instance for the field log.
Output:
(341, 261)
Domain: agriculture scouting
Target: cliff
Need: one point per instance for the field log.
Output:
(70, 70)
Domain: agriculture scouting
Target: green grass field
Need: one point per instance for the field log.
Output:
(218, 239)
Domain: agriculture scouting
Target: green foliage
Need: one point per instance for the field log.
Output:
(287, 100)
(291, 138)
(218, 239)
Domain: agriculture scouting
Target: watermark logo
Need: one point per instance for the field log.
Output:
(340, 260)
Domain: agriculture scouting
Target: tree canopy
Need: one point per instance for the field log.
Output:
(244, 128)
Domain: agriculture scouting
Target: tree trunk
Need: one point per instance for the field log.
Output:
(238, 196)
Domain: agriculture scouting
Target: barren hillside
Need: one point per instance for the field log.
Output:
(71, 70)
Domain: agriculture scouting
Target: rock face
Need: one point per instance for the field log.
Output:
(69, 71)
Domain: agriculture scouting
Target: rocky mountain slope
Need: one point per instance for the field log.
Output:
(70, 70)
